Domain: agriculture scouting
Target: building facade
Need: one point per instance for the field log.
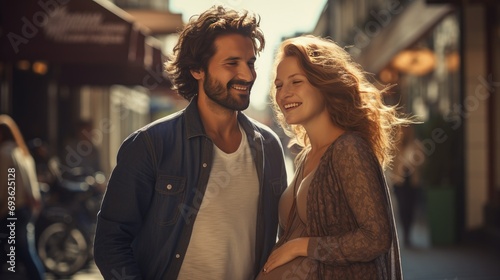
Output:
(444, 59)
(62, 62)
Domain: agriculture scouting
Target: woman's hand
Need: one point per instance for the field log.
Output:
(287, 252)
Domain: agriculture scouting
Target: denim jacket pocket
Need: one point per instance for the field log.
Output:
(169, 194)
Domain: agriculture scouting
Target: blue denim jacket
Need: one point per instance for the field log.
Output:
(155, 190)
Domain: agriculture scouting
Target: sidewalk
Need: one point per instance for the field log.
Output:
(90, 273)
(420, 262)
(472, 261)
(475, 260)
(453, 263)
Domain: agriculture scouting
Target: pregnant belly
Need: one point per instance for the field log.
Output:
(298, 268)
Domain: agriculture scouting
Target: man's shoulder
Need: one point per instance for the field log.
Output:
(157, 128)
(161, 124)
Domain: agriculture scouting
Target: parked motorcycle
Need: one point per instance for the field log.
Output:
(65, 228)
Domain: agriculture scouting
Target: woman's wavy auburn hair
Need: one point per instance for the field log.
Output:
(195, 46)
(353, 102)
(10, 131)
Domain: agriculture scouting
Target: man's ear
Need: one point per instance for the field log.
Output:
(197, 74)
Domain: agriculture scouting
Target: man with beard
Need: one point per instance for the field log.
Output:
(195, 195)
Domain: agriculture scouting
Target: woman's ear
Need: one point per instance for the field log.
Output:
(197, 74)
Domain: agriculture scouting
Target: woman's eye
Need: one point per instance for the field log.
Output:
(296, 82)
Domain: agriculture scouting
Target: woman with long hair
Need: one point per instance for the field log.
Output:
(20, 202)
(336, 217)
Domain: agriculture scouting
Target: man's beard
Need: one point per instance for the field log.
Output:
(220, 94)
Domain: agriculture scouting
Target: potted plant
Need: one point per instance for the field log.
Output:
(438, 142)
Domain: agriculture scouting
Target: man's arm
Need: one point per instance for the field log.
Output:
(125, 203)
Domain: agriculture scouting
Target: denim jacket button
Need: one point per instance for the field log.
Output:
(169, 187)
(204, 164)
(177, 256)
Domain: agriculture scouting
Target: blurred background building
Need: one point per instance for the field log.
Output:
(444, 57)
(78, 76)
(64, 61)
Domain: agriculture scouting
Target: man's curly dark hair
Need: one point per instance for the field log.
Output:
(196, 44)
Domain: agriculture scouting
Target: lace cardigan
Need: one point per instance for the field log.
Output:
(350, 216)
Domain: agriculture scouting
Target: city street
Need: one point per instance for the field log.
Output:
(454, 263)
(474, 260)
(108, 97)
(90, 273)
(464, 262)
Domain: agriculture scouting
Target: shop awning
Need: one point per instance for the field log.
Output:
(93, 42)
(404, 31)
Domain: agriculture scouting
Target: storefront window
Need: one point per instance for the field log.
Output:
(429, 86)
(496, 113)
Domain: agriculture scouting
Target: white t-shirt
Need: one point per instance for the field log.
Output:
(222, 244)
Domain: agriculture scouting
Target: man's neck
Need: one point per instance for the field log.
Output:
(221, 124)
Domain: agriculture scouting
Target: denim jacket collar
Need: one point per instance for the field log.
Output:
(193, 124)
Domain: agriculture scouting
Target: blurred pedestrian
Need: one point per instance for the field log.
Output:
(47, 165)
(195, 195)
(20, 203)
(336, 215)
(405, 177)
(80, 151)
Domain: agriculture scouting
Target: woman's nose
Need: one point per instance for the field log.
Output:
(285, 91)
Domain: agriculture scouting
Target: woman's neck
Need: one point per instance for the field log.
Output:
(320, 137)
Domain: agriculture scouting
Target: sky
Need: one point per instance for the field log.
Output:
(279, 18)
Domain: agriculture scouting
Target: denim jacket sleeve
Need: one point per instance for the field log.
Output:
(128, 195)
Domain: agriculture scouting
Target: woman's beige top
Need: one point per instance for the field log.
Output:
(302, 265)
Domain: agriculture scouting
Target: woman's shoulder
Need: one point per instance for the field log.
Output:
(349, 140)
(351, 147)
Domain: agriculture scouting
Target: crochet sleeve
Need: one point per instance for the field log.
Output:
(355, 172)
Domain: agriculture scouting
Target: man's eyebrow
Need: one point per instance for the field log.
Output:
(234, 58)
